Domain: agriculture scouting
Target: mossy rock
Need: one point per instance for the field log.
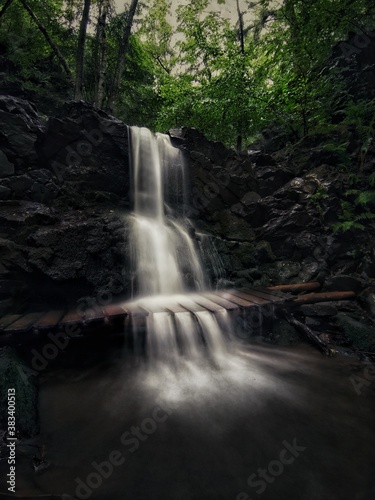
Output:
(361, 333)
(14, 374)
(284, 334)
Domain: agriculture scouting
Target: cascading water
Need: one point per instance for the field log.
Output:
(166, 259)
(162, 248)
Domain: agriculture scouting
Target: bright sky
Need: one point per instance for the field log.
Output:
(229, 8)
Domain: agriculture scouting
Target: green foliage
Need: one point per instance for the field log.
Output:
(198, 71)
(358, 209)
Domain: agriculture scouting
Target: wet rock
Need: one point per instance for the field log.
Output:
(282, 271)
(320, 309)
(309, 269)
(12, 256)
(263, 252)
(6, 167)
(232, 227)
(19, 184)
(344, 283)
(260, 158)
(13, 369)
(20, 128)
(367, 265)
(252, 213)
(368, 298)
(190, 138)
(326, 178)
(87, 150)
(23, 217)
(284, 334)
(312, 322)
(5, 193)
(298, 190)
(250, 197)
(287, 222)
(359, 330)
(245, 253)
(270, 178)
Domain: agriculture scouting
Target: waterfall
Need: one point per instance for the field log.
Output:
(166, 260)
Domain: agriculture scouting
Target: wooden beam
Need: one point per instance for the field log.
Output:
(191, 306)
(239, 301)
(8, 320)
(266, 296)
(49, 320)
(24, 323)
(208, 304)
(249, 297)
(313, 298)
(73, 317)
(229, 306)
(114, 311)
(296, 287)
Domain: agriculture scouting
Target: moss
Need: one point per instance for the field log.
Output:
(359, 332)
(284, 334)
(14, 374)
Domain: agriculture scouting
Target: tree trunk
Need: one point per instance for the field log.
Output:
(241, 26)
(102, 52)
(239, 144)
(48, 38)
(121, 57)
(80, 63)
(3, 10)
(242, 45)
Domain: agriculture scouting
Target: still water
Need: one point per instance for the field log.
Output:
(270, 423)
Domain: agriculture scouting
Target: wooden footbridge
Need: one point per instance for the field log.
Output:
(123, 317)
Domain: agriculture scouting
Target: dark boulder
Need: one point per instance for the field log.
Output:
(20, 128)
(87, 150)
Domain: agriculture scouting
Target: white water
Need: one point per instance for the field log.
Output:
(162, 248)
(166, 259)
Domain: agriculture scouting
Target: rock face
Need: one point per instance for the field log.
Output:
(87, 149)
(272, 214)
(64, 208)
(63, 204)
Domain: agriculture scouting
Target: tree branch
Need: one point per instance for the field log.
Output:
(3, 10)
(47, 37)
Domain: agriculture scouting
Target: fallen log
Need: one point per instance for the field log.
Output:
(313, 298)
(307, 332)
(296, 287)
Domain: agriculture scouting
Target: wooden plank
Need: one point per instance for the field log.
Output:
(49, 319)
(249, 297)
(297, 287)
(235, 299)
(313, 298)
(114, 311)
(24, 323)
(96, 314)
(133, 309)
(175, 308)
(73, 316)
(190, 305)
(263, 295)
(229, 306)
(8, 320)
(207, 304)
(152, 307)
(274, 293)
